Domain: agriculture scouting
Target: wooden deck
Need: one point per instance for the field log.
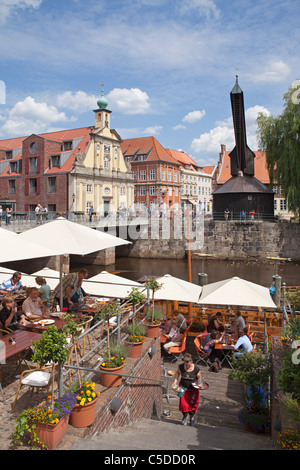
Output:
(219, 404)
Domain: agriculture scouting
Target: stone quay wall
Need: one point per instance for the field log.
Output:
(225, 239)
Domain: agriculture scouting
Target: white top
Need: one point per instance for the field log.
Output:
(245, 341)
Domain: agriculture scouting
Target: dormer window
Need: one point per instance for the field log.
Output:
(13, 167)
(55, 161)
(68, 145)
(8, 154)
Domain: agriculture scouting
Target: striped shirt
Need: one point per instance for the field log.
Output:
(70, 279)
(9, 286)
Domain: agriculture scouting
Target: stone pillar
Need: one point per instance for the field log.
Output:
(277, 285)
(202, 279)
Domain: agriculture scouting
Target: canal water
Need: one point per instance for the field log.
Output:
(260, 272)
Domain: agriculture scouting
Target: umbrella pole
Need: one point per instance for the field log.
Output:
(189, 261)
(61, 260)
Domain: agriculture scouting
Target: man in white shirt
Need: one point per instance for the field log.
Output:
(33, 306)
(243, 344)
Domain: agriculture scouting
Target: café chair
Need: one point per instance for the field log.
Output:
(177, 351)
(201, 354)
(82, 328)
(35, 378)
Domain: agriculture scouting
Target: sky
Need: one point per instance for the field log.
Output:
(167, 66)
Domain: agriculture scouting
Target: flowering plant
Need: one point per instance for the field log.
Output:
(135, 339)
(43, 413)
(118, 354)
(289, 439)
(87, 393)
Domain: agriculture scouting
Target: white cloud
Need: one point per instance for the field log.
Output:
(29, 116)
(79, 101)
(194, 116)
(152, 130)
(7, 6)
(179, 126)
(274, 71)
(223, 133)
(133, 101)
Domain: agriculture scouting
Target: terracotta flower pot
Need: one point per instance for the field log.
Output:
(153, 331)
(51, 434)
(110, 380)
(83, 416)
(135, 349)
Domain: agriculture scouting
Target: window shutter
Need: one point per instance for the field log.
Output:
(26, 186)
(38, 185)
(26, 166)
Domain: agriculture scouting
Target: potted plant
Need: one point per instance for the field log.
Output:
(153, 321)
(253, 370)
(153, 285)
(46, 424)
(83, 414)
(135, 339)
(106, 312)
(136, 297)
(113, 361)
(51, 348)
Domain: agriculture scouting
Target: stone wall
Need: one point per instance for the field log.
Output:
(226, 239)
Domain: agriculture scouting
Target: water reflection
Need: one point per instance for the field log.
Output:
(217, 270)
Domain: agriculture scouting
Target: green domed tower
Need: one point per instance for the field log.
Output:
(102, 115)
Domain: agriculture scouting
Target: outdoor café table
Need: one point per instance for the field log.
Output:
(225, 349)
(23, 340)
(40, 327)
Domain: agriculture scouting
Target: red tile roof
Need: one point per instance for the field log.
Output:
(144, 145)
(260, 168)
(183, 159)
(57, 136)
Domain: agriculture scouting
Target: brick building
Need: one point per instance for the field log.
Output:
(70, 170)
(156, 173)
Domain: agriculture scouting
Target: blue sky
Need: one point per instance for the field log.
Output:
(168, 66)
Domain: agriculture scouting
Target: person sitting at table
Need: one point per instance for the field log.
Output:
(243, 344)
(9, 315)
(180, 321)
(44, 290)
(239, 323)
(221, 332)
(33, 306)
(209, 342)
(203, 332)
(70, 283)
(214, 322)
(12, 284)
(173, 337)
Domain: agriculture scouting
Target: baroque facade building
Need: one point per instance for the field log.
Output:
(71, 170)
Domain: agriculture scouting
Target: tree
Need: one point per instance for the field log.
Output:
(279, 137)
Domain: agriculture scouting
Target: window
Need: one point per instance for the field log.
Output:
(33, 165)
(169, 176)
(282, 204)
(142, 191)
(176, 191)
(13, 167)
(170, 190)
(67, 145)
(52, 184)
(143, 175)
(55, 161)
(163, 175)
(32, 186)
(122, 190)
(52, 207)
(152, 174)
(275, 204)
(152, 190)
(89, 188)
(134, 175)
(12, 186)
(175, 177)
(8, 154)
